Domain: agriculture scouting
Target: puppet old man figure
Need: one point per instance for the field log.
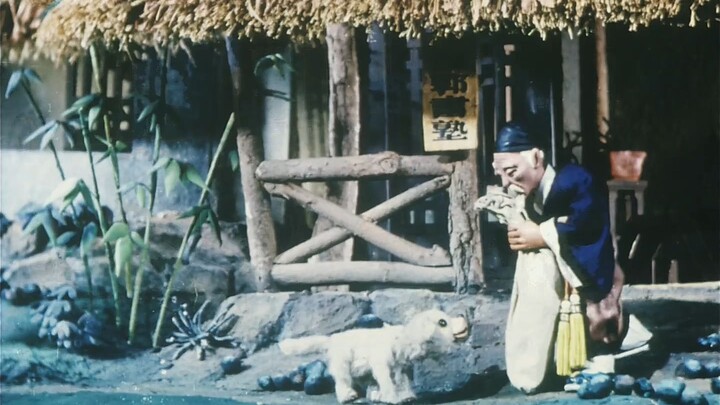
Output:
(560, 229)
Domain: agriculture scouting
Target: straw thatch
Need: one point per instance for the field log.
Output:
(72, 25)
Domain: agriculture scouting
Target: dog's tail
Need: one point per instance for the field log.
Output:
(310, 344)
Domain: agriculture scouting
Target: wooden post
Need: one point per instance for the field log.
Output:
(463, 226)
(603, 97)
(343, 125)
(327, 273)
(260, 227)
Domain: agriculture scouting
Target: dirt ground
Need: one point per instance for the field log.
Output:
(143, 377)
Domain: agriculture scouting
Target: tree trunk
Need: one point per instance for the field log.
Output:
(343, 125)
(260, 227)
(464, 227)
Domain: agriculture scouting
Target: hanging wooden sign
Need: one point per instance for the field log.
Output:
(450, 111)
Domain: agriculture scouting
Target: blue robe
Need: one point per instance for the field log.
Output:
(584, 236)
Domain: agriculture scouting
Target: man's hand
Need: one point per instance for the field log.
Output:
(525, 236)
(605, 318)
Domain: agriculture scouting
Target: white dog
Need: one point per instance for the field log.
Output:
(382, 354)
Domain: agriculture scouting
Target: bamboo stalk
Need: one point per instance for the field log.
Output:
(145, 257)
(326, 273)
(101, 220)
(178, 261)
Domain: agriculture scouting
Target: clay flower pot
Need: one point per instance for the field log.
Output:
(627, 164)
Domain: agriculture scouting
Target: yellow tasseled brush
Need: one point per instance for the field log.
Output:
(562, 344)
(578, 350)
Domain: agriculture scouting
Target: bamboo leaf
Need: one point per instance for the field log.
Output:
(13, 83)
(149, 109)
(103, 141)
(137, 239)
(49, 135)
(172, 176)
(62, 190)
(123, 254)
(140, 195)
(65, 238)
(117, 231)
(35, 222)
(191, 174)
(69, 139)
(153, 122)
(234, 160)
(40, 131)
(69, 199)
(104, 156)
(88, 238)
(84, 101)
(32, 75)
(93, 116)
(85, 191)
(49, 229)
(215, 225)
(162, 162)
(127, 187)
(191, 212)
(202, 217)
(120, 146)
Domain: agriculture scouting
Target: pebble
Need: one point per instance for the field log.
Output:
(690, 368)
(644, 388)
(599, 386)
(669, 390)
(623, 384)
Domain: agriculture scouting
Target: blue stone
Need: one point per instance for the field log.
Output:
(282, 382)
(644, 388)
(369, 321)
(690, 368)
(599, 386)
(266, 383)
(712, 369)
(715, 385)
(669, 390)
(623, 384)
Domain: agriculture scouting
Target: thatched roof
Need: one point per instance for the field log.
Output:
(70, 26)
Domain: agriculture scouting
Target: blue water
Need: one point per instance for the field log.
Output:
(81, 398)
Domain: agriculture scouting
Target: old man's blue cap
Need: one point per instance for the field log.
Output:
(514, 137)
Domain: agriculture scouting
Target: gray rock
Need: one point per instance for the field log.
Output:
(448, 373)
(323, 313)
(14, 244)
(258, 317)
(396, 306)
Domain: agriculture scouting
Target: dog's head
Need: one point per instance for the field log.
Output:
(438, 328)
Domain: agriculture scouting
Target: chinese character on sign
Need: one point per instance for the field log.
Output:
(449, 111)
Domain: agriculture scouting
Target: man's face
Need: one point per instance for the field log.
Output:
(517, 172)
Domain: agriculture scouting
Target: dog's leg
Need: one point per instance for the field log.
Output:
(341, 373)
(387, 391)
(403, 383)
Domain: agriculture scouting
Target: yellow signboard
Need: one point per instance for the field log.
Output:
(449, 111)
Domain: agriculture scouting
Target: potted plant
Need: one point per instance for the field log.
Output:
(626, 153)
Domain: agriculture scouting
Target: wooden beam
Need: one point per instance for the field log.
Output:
(379, 165)
(260, 228)
(465, 244)
(333, 236)
(361, 272)
(408, 251)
